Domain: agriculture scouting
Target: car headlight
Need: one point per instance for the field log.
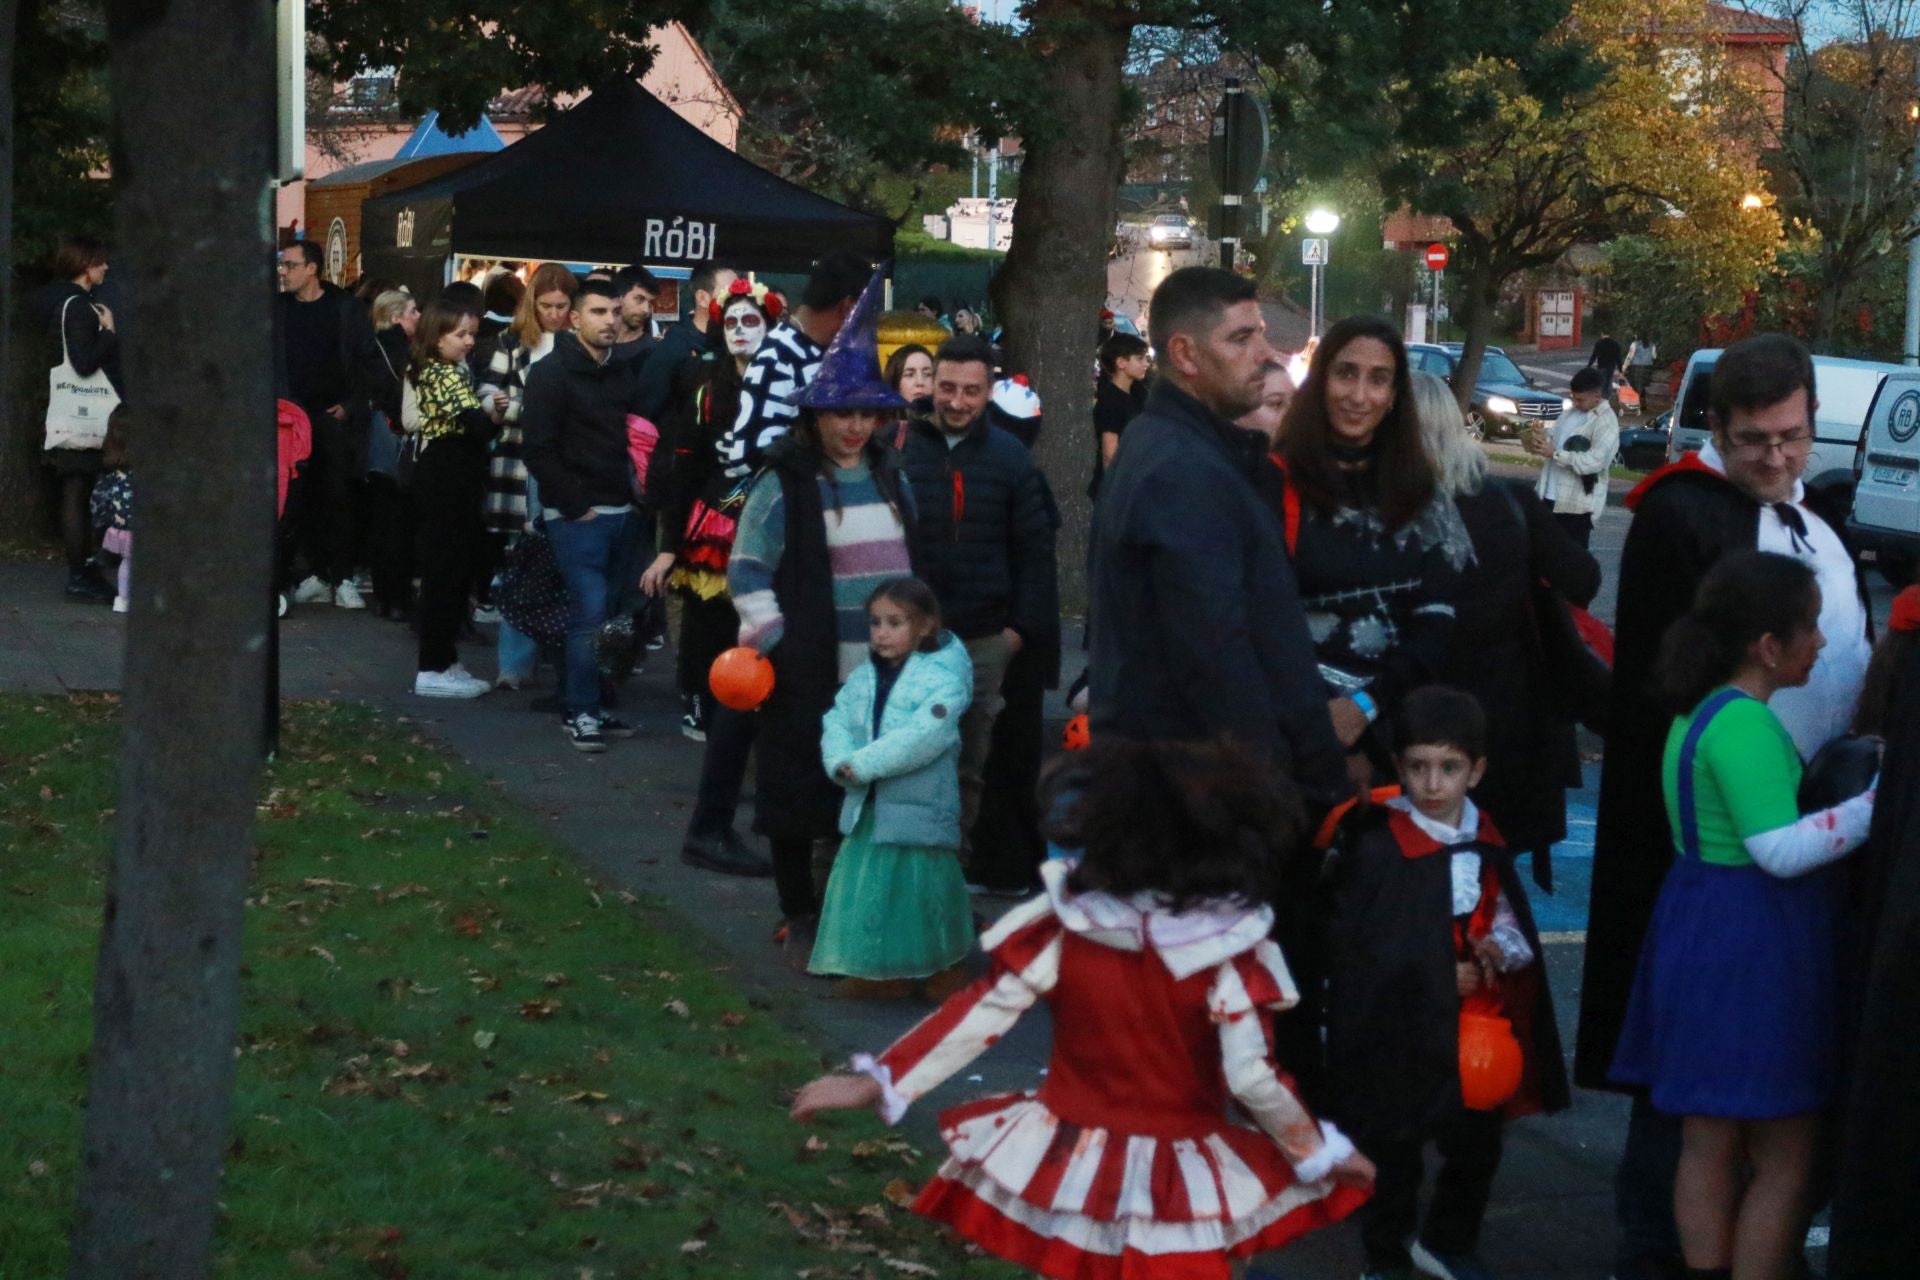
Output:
(1566, 406)
(1502, 405)
(1159, 233)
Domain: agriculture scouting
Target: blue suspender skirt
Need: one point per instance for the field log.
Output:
(1732, 1012)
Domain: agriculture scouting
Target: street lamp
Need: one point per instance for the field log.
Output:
(1321, 221)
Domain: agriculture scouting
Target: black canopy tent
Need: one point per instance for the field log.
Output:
(620, 177)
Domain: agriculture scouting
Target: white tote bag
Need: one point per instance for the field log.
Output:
(77, 407)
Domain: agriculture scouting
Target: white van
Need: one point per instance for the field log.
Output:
(1844, 388)
(1885, 525)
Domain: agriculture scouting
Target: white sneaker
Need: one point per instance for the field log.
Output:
(451, 683)
(313, 591)
(347, 596)
(485, 615)
(119, 604)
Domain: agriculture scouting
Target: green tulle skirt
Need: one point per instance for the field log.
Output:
(892, 910)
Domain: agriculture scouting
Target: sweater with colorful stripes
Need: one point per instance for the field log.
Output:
(866, 546)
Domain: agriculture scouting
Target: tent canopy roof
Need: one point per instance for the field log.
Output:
(621, 177)
(429, 139)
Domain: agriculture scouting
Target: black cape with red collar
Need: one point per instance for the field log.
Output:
(1686, 517)
(1879, 1148)
(1393, 1010)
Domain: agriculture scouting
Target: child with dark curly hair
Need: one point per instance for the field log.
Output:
(1165, 1141)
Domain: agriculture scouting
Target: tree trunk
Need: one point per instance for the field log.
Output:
(1836, 279)
(190, 192)
(1481, 298)
(9, 379)
(1054, 282)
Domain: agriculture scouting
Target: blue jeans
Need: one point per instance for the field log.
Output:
(518, 654)
(585, 550)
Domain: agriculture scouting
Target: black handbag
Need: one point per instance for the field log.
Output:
(1579, 681)
(532, 595)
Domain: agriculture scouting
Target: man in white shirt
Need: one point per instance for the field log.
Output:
(1573, 480)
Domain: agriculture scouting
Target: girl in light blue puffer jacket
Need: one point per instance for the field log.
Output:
(896, 916)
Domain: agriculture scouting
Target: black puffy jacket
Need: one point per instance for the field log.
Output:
(573, 424)
(984, 536)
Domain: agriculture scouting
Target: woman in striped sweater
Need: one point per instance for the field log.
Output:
(824, 524)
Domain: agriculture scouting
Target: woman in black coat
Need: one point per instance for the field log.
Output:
(1377, 547)
(1532, 754)
(82, 330)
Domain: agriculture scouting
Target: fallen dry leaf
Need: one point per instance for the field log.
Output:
(485, 1039)
(692, 1246)
(899, 1193)
(677, 1007)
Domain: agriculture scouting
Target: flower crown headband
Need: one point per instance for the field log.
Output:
(769, 299)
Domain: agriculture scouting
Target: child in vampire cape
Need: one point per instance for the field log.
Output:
(1430, 919)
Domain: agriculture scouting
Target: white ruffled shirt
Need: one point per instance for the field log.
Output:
(1464, 868)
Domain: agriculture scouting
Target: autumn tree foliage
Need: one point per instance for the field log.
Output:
(1840, 151)
(1652, 144)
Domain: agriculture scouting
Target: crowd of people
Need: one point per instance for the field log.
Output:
(1329, 708)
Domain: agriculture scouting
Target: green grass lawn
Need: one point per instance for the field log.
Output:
(459, 1057)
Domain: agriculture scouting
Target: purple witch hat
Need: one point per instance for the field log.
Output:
(849, 373)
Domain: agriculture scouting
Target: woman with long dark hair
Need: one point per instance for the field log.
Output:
(1378, 548)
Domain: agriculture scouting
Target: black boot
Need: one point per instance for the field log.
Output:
(87, 585)
(725, 852)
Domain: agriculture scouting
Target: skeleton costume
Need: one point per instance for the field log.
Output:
(1379, 601)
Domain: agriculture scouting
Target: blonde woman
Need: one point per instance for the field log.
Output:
(1532, 757)
(545, 309)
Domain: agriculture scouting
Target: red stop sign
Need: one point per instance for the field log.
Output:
(1437, 257)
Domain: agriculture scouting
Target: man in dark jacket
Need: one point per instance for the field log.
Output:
(330, 357)
(983, 540)
(574, 425)
(1197, 627)
(1741, 492)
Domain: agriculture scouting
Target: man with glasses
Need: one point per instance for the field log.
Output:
(1742, 491)
(330, 353)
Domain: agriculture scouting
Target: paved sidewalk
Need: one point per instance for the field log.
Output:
(622, 814)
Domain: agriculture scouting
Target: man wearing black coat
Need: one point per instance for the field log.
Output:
(1741, 492)
(983, 540)
(1197, 627)
(331, 358)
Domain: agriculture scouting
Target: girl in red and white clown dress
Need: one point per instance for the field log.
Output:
(1165, 1143)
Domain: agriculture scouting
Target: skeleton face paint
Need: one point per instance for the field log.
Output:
(744, 328)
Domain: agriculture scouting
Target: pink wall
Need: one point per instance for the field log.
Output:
(680, 76)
